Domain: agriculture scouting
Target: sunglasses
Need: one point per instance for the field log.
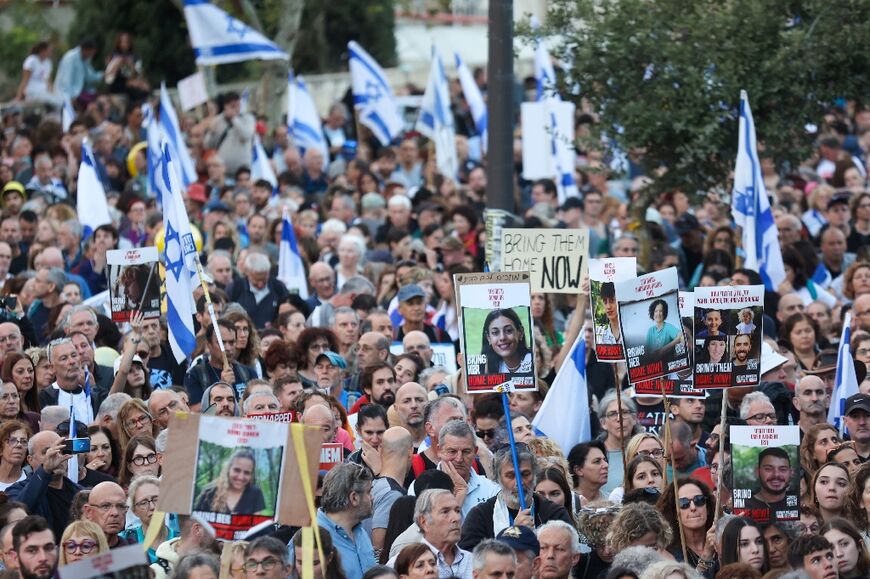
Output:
(699, 500)
(485, 433)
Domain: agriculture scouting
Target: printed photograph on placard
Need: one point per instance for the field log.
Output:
(496, 331)
(605, 312)
(134, 283)
(766, 472)
(728, 335)
(652, 329)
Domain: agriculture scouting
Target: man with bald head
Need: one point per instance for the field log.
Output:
(396, 451)
(439, 412)
(107, 508)
(321, 278)
(320, 416)
(789, 304)
(46, 492)
(812, 401)
(163, 404)
(860, 309)
(418, 342)
(410, 404)
(11, 339)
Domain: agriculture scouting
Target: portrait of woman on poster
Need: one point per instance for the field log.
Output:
(661, 335)
(714, 350)
(235, 490)
(504, 344)
(609, 333)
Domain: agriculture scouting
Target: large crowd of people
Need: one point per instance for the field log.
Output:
(428, 487)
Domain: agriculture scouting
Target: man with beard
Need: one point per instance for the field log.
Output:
(742, 348)
(378, 382)
(810, 398)
(328, 368)
(411, 401)
(487, 519)
(346, 503)
(774, 474)
(220, 400)
(35, 549)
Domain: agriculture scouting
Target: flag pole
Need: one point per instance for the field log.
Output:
(507, 413)
(619, 410)
(719, 505)
(212, 315)
(673, 470)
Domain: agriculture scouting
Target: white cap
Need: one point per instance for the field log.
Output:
(136, 358)
(770, 359)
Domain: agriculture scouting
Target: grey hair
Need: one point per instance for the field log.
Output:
(487, 546)
(435, 406)
(160, 441)
(257, 262)
(356, 241)
(333, 226)
(610, 397)
(347, 310)
(636, 558)
(457, 428)
(402, 200)
(272, 545)
(358, 285)
(50, 415)
(219, 253)
(140, 480)
(562, 526)
(524, 454)
(111, 404)
(429, 372)
(748, 400)
(663, 569)
(189, 562)
(54, 344)
(75, 227)
(339, 483)
(262, 394)
(425, 502)
(57, 276)
(76, 309)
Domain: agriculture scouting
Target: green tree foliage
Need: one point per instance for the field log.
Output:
(159, 32)
(665, 76)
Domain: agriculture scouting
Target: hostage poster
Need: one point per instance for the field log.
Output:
(649, 317)
(134, 283)
(766, 472)
(728, 335)
(603, 273)
(496, 331)
(235, 473)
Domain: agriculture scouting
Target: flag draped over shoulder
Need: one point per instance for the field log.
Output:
(435, 120)
(846, 382)
(291, 269)
(179, 251)
(303, 122)
(372, 96)
(91, 205)
(564, 415)
(218, 38)
(750, 206)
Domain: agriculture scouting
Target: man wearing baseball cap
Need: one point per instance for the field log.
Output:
(857, 417)
(525, 544)
(412, 307)
(328, 368)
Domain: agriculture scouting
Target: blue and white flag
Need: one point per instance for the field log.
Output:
(291, 269)
(218, 38)
(244, 100)
(179, 251)
(435, 120)
(67, 114)
(568, 397)
(846, 382)
(171, 131)
(260, 166)
(545, 74)
(152, 150)
(750, 206)
(373, 98)
(474, 98)
(303, 122)
(91, 202)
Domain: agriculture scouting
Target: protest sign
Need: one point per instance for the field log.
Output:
(207, 456)
(728, 335)
(557, 259)
(495, 331)
(286, 417)
(766, 472)
(129, 562)
(192, 91)
(134, 283)
(443, 354)
(605, 313)
(331, 455)
(652, 331)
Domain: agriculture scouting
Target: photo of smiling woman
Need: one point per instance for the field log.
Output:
(235, 489)
(505, 345)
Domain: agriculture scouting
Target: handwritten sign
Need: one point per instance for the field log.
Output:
(557, 259)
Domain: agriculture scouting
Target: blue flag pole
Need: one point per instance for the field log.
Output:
(510, 430)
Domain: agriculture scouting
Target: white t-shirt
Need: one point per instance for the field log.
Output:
(40, 71)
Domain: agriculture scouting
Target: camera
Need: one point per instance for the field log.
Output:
(76, 445)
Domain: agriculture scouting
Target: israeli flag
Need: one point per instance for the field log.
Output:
(67, 114)
(568, 396)
(152, 150)
(91, 202)
(474, 99)
(291, 269)
(435, 120)
(260, 166)
(218, 38)
(751, 208)
(178, 254)
(171, 131)
(373, 98)
(845, 382)
(303, 122)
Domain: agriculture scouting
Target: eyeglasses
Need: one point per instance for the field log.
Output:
(803, 529)
(613, 414)
(657, 453)
(762, 416)
(485, 433)
(12, 441)
(169, 407)
(146, 502)
(699, 500)
(105, 507)
(137, 422)
(268, 564)
(143, 460)
(85, 546)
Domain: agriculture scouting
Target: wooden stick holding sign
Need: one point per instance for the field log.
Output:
(619, 416)
(213, 316)
(673, 470)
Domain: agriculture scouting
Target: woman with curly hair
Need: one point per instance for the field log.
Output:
(20, 370)
(311, 343)
(639, 524)
(594, 521)
(817, 441)
(696, 507)
(505, 344)
(661, 335)
(235, 489)
(247, 339)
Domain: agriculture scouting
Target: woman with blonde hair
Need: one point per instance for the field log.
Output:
(233, 560)
(814, 217)
(669, 570)
(134, 419)
(80, 540)
(235, 489)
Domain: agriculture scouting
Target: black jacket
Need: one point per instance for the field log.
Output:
(478, 521)
(264, 312)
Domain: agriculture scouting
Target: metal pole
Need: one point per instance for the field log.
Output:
(500, 90)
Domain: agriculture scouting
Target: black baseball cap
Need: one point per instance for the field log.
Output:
(857, 402)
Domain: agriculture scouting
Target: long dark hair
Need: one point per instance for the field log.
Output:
(667, 506)
(847, 527)
(492, 359)
(30, 399)
(556, 476)
(731, 541)
(331, 568)
(112, 468)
